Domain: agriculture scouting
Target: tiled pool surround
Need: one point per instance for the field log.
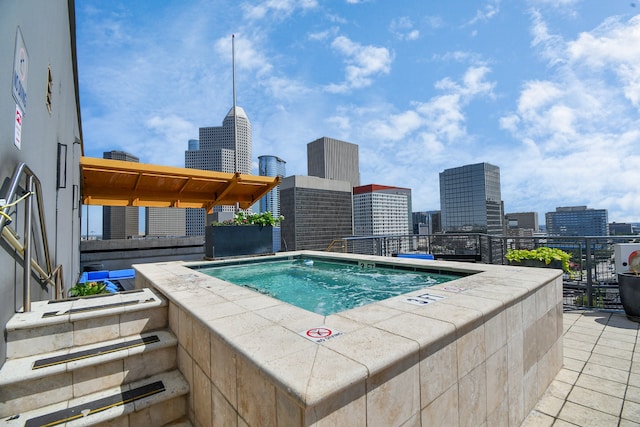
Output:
(481, 356)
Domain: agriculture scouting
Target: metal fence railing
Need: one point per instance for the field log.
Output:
(593, 282)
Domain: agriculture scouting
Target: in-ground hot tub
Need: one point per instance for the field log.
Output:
(479, 349)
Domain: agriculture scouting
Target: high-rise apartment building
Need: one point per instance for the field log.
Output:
(577, 221)
(216, 150)
(120, 222)
(165, 222)
(272, 166)
(316, 211)
(381, 210)
(470, 199)
(333, 159)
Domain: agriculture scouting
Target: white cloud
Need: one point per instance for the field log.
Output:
(421, 137)
(362, 64)
(577, 127)
(403, 28)
(248, 56)
(490, 10)
(279, 9)
(614, 46)
(171, 132)
(324, 35)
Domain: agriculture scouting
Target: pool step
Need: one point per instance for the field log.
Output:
(73, 322)
(31, 381)
(83, 361)
(157, 400)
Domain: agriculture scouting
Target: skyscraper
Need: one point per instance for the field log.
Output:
(165, 222)
(120, 222)
(333, 159)
(216, 150)
(470, 199)
(316, 212)
(381, 210)
(577, 221)
(272, 166)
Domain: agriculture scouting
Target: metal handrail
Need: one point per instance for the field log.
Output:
(22, 170)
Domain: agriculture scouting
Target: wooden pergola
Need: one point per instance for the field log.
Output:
(108, 182)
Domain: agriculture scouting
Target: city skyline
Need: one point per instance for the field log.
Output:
(544, 90)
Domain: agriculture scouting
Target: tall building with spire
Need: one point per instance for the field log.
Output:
(216, 150)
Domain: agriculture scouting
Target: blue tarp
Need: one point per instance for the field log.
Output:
(416, 256)
(106, 277)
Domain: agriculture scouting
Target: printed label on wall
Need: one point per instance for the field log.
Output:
(18, 128)
(20, 72)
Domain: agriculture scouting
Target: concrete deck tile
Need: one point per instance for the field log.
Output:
(567, 376)
(550, 405)
(631, 411)
(610, 361)
(577, 343)
(633, 394)
(596, 400)
(586, 417)
(574, 353)
(611, 388)
(606, 372)
(538, 419)
(613, 352)
(574, 364)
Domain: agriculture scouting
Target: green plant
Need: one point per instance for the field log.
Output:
(543, 253)
(87, 288)
(243, 218)
(582, 300)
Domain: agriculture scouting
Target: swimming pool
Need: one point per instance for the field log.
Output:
(327, 287)
(478, 350)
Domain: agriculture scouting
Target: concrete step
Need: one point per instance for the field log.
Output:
(32, 381)
(154, 401)
(57, 325)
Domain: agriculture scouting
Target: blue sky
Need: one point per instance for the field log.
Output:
(548, 90)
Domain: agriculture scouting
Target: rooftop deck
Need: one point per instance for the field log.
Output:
(599, 384)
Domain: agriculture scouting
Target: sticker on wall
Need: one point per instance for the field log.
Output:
(423, 299)
(320, 334)
(18, 128)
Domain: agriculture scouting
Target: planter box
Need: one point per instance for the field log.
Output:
(538, 263)
(235, 240)
(629, 285)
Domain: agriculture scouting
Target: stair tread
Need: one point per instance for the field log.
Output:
(22, 369)
(107, 404)
(45, 313)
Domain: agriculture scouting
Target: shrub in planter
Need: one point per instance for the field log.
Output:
(246, 234)
(551, 257)
(88, 288)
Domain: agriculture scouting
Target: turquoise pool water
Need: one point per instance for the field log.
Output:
(326, 287)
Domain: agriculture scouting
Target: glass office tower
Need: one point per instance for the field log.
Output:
(470, 199)
(272, 166)
(577, 221)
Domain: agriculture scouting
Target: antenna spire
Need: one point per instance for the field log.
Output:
(235, 116)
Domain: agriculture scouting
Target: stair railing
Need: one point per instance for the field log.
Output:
(47, 274)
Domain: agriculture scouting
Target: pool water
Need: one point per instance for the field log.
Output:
(326, 287)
